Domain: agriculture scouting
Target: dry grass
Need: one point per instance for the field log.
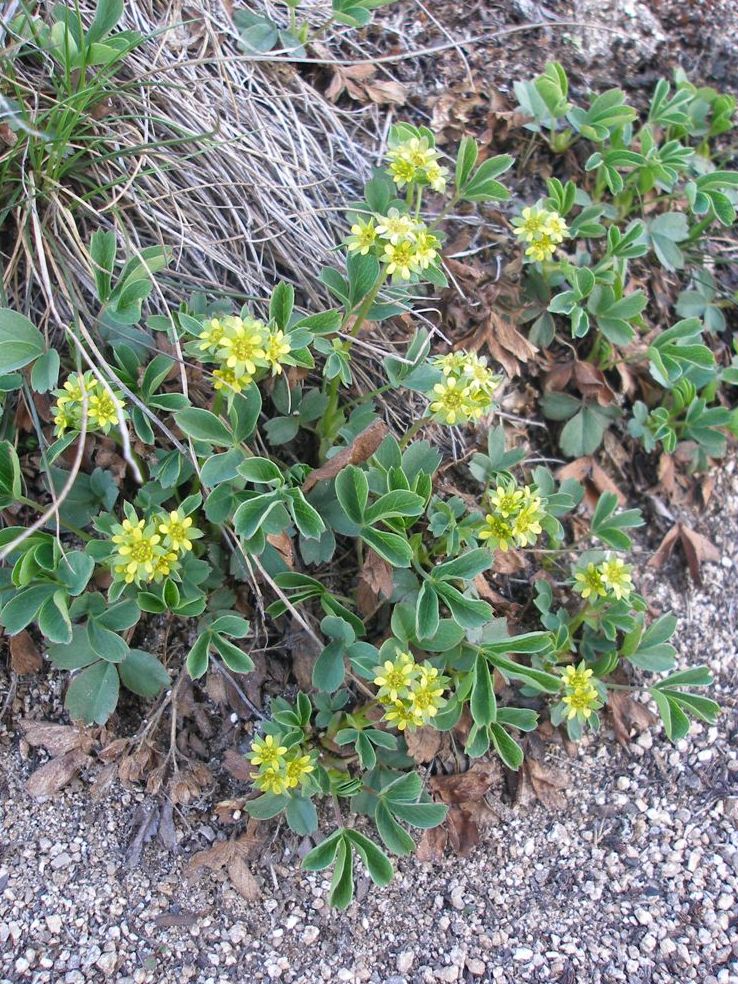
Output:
(239, 165)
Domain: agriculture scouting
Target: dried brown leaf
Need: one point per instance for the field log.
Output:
(237, 765)
(361, 449)
(375, 583)
(506, 344)
(55, 738)
(664, 549)
(243, 880)
(283, 545)
(24, 655)
(55, 775)
(545, 783)
(627, 713)
(423, 744)
(697, 549)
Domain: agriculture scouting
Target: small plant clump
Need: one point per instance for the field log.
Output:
(252, 455)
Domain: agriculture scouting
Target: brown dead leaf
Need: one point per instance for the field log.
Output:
(467, 787)
(212, 858)
(591, 383)
(304, 651)
(387, 92)
(283, 545)
(55, 738)
(627, 713)
(432, 844)
(24, 655)
(55, 775)
(243, 880)
(545, 783)
(237, 765)
(508, 562)
(230, 810)
(375, 583)
(360, 450)
(423, 744)
(506, 344)
(697, 550)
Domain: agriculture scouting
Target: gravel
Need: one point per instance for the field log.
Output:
(635, 880)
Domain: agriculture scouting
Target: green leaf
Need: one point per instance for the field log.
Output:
(21, 610)
(261, 471)
(583, 434)
(465, 567)
(396, 839)
(202, 425)
(281, 304)
(322, 856)
(377, 863)
(467, 612)
(45, 371)
(483, 704)
(307, 519)
(426, 612)
(301, 815)
(20, 341)
(666, 230)
(197, 658)
(329, 670)
(465, 160)
(102, 254)
(342, 883)
(421, 815)
(390, 546)
(482, 187)
(10, 473)
(548, 682)
(142, 673)
(398, 503)
(233, 656)
(108, 645)
(267, 806)
(352, 491)
(220, 468)
(507, 748)
(92, 696)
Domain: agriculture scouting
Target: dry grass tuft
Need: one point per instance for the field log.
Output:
(239, 165)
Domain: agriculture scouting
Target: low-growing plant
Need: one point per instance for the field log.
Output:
(253, 466)
(649, 191)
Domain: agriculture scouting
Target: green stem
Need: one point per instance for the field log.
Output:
(697, 230)
(579, 618)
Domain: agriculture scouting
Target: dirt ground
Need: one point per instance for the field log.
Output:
(634, 878)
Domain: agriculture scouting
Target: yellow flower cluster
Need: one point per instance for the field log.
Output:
(102, 408)
(611, 577)
(411, 693)
(580, 695)
(542, 229)
(467, 389)
(401, 242)
(415, 161)
(514, 518)
(279, 768)
(241, 346)
(148, 550)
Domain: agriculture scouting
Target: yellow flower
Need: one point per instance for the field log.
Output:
(582, 702)
(267, 752)
(394, 678)
(363, 237)
(399, 259)
(425, 250)
(396, 228)
(102, 410)
(530, 223)
(402, 715)
(616, 577)
(576, 677)
(227, 379)
(242, 345)
(478, 374)
(506, 501)
(526, 527)
(496, 532)
(555, 227)
(454, 403)
(589, 582)
(138, 550)
(277, 346)
(426, 694)
(178, 531)
(297, 770)
(212, 334)
(62, 420)
(452, 364)
(542, 249)
(164, 564)
(270, 781)
(415, 161)
(72, 391)
(436, 176)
